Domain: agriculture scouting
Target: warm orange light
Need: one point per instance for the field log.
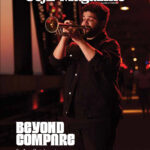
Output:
(136, 67)
(134, 59)
(132, 48)
(7, 65)
(124, 8)
(132, 98)
(132, 111)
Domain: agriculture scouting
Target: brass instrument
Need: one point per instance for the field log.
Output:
(53, 26)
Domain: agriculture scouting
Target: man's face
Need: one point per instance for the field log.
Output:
(90, 19)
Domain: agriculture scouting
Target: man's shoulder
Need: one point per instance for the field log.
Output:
(110, 42)
(110, 45)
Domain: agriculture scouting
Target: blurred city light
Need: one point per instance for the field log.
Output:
(132, 111)
(132, 48)
(41, 91)
(136, 67)
(134, 59)
(124, 8)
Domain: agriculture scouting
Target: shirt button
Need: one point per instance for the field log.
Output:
(69, 93)
(66, 112)
(76, 74)
(70, 55)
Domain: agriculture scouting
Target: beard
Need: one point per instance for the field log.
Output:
(92, 32)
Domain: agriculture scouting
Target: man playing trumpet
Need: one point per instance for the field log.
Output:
(91, 96)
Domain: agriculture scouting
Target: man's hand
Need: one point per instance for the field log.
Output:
(73, 32)
(76, 36)
(67, 30)
(60, 50)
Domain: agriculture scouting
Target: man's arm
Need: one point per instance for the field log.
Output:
(58, 59)
(59, 51)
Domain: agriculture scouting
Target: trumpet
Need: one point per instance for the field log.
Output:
(52, 25)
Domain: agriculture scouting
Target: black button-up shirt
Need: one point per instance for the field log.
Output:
(90, 88)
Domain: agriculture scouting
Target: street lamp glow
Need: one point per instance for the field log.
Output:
(135, 59)
(124, 8)
(136, 67)
(132, 48)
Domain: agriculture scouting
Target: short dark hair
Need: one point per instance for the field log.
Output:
(100, 10)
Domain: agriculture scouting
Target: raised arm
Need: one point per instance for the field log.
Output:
(59, 51)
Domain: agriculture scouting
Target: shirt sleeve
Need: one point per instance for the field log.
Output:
(109, 60)
(59, 65)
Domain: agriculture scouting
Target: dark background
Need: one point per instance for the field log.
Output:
(28, 97)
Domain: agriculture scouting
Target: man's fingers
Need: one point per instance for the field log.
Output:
(67, 28)
(68, 22)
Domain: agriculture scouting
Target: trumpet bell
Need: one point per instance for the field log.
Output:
(51, 24)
